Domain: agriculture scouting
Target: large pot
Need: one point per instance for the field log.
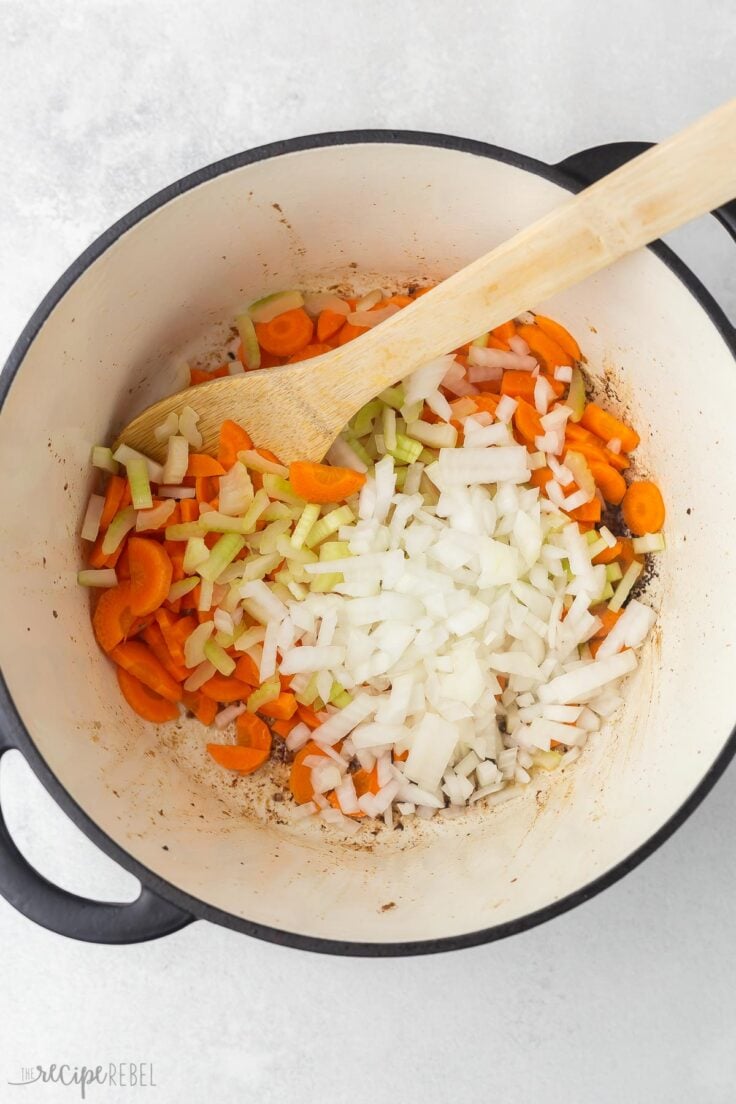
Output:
(110, 337)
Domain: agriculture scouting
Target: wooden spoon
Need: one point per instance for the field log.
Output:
(298, 410)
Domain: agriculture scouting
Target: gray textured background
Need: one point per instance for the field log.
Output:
(630, 997)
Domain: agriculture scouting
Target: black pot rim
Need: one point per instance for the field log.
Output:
(10, 715)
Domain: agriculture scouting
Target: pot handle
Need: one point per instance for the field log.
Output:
(590, 165)
(148, 917)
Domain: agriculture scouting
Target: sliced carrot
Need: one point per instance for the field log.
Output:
(540, 477)
(287, 333)
(175, 632)
(497, 343)
(484, 402)
(329, 323)
(244, 760)
(143, 701)
(643, 508)
(96, 557)
(189, 508)
(322, 483)
(349, 332)
(113, 497)
(138, 660)
(200, 464)
(300, 777)
(592, 449)
(252, 732)
(281, 708)
(527, 423)
(401, 758)
(591, 511)
(203, 708)
(520, 385)
(609, 482)
(151, 572)
(223, 688)
(541, 346)
(560, 335)
(233, 439)
(205, 488)
(247, 671)
(608, 428)
(198, 375)
(310, 351)
(308, 716)
(366, 781)
(609, 555)
(398, 301)
(335, 803)
(112, 617)
(609, 619)
(627, 555)
(504, 332)
(283, 728)
(154, 638)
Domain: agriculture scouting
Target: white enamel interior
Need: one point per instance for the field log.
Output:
(115, 341)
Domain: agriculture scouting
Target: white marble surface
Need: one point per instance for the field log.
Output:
(630, 997)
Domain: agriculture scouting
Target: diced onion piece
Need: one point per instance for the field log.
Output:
(176, 492)
(103, 458)
(177, 459)
(576, 395)
(188, 428)
(92, 515)
(124, 453)
(341, 454)
(370, 299)
(236, 490)
(218, 657)
(201, 675)
(156, 517)
(167, 428)
(194, 653)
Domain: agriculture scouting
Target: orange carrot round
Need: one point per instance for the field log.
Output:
(143, 701)
(113, 497)
(609, 482)
(233, 439)
(223, 689)
(504, 332)
(560, 335)
(203, 708)
(322, 483)
(527, 422)
(309, 351)
(300, 778)
(608, 428)
(287, 333)
(281, 708)
(113, 616)
(138, 660)
(154, 638)
(252, 732)
(541, 346)
(643, 508)
(348, 332)
(247, 671)
(151, 572)
(329, 323)
(308, 716)
(233, 757)
(200, 464)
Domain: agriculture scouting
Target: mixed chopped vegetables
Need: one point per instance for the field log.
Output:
(438, 610)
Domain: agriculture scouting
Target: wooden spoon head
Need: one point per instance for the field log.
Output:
(281, 408)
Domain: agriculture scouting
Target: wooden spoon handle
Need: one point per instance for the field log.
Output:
(685, 176)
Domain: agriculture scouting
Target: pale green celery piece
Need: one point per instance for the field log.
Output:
(225, 640)
(266, 540)
(622, 591)
(276, 487)
(576, 395)
(102, 458)
(401, 477)
(247, 638)
(270, 306)
(118, 528)
(280, 591)
(412, 411)
(215, 522)
(181, 587)
(359, 450)
(206, 589)
(362, 423)
(613, 572)
(325, 584)
(140, 486)
(334, 550)
(218, 657)
(278, 511)
(407, 451)
(251, 348)
(284, 577)
(428, 456)
(607, 592)
(481, 342)
(231, 601)
(195, 554)
(309, 515)
(309, 693)
(253, 459)
(232, 573)
(388, 421)
(296, 590)
(342, 699)
(222, 555)
(265, 693)
(257, 567)
(254, 511)
(591, 536)
(185, 531)
(294, 555)
(329, 524)
(393, 396)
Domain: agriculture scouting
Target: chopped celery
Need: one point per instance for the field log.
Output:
(393, 396)
(185, 531)
(254, 511)
(206, 593)
(334, 550)
(256, 462)
(267, 540)
(269, 691)
(225, 640)
(271, 306)
(607, 592)
(613, 572)
(277, 511)
(177, 460)
(622, 591)
(118, 529)
(297, 590)
(547, 760)
(427, 456)
(140, 487)
(231, 601)
(329, 524)
(218, 657)
(591, 537)
(195, 554)
(309, 515)
(411, 412)
(251, 348)
(325, 584)
(406, 450)
(222, 555)
(276, 487)
(123, 453)
(436, 435)
(401, 477)
(248, 638)
(294, 555)
(188, 428)
(342, 699)
(359, 450)
(102, 458)
(257, 567)
(309, 693)
(481, 342)
(389, 428)
(650, 542)
(576, 395)
(362, 423)
(100, 577)
(181, 587)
